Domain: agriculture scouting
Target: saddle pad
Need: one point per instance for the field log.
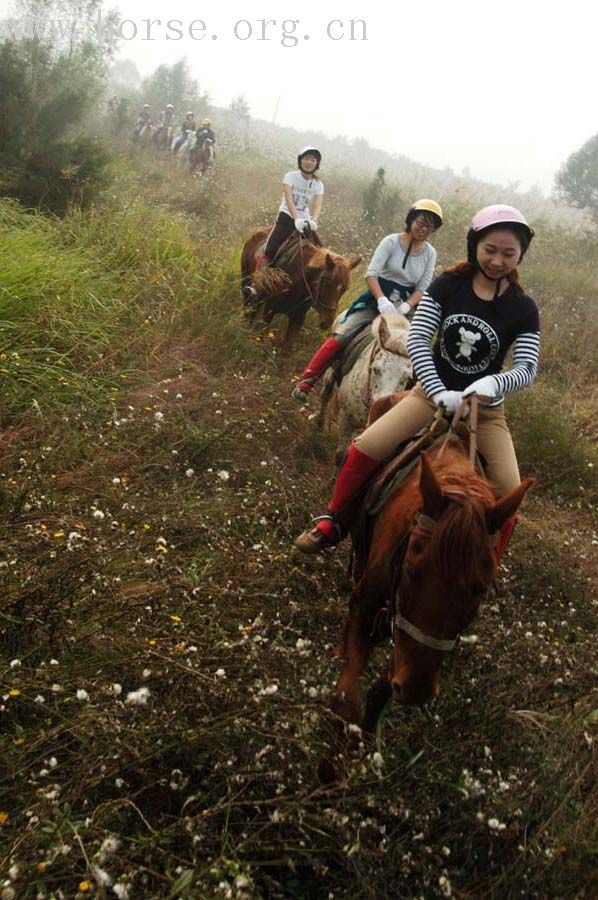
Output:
(402, 464)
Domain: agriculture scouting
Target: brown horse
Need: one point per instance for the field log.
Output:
(431, 561)
(312, 276)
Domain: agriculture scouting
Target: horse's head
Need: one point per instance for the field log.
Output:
(329, 275)
(448, 568)
(391, 366)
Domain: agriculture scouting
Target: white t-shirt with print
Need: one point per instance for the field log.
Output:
(304, 190)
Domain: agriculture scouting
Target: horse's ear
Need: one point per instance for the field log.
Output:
(330, 263)
(353, 263)
(430, 487)
(383, 332)
(506, 507)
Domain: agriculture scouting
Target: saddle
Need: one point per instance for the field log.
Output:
(284, 254)
(384, 485)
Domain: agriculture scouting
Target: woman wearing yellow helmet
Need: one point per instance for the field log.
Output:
(399, 272)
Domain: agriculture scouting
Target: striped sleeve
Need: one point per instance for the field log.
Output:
(423, 327)
(526, 352)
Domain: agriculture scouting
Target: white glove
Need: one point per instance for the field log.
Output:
(404, 308)
(300, 225)
(385, 306)
(450, 400)
(313, 224)
(485, 387)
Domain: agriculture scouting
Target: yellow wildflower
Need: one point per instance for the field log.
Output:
(3, 818)
(176, 618)
(14, 693)
(85, 887)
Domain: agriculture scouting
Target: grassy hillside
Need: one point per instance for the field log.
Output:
(166, 656)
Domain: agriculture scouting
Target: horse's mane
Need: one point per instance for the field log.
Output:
(458, 543)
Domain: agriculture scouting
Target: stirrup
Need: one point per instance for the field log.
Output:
(299, 393)
(314, 540)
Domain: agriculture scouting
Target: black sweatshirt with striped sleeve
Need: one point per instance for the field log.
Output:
(473, 337)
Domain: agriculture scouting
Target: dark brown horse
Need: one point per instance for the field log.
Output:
(431, 562)
(312, 276)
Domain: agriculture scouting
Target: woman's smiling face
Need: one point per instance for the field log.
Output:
(498, 252)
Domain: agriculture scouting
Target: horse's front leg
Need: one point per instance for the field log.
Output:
(295, 323)
(377, 697)
(357, 648)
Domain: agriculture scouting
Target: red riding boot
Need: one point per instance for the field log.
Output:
(319, 361)
(355, 472)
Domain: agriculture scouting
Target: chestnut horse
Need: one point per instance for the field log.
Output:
(431, 562)
(313, 276)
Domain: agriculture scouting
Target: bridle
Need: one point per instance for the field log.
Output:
(428, 524)
(314, 300)
(368, 387)
(398, 621)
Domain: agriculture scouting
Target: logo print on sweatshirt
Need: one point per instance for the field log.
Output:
(468, 344)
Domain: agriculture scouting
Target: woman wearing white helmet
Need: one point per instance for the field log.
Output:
(399, 272)
(300, 206)
(478, 310)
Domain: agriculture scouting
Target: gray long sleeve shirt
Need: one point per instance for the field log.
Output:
(387, 262)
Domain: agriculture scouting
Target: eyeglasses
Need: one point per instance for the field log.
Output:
(425, 224)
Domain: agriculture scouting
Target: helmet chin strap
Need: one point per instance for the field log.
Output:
(497, 280)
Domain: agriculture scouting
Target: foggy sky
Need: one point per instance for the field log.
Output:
(506, 89)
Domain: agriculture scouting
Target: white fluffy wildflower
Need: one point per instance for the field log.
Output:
(98, 515)
(102, 876)
(121, 890)
(39, 699)
(445, 886)
(13, 873)
(52, 762)
(109, 846)
(270, 690)
(15, 663)
(117, 689)
(82, 695)
(54, 662)
(190, 473)
(116, 481)
(223, 475)
(139, 697)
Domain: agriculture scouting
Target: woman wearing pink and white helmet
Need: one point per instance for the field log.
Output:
(478, 310)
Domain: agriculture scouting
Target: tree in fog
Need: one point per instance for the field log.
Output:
(239, 108)
(174, 84)
(50, 82)
(381, 204)
(577, 180)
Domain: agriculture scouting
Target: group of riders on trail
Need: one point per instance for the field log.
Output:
(160, 134)
(462, 324)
